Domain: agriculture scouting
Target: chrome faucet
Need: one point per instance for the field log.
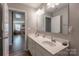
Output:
(36, 34)
(52, 39)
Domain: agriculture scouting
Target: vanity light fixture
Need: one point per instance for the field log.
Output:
(40, 11)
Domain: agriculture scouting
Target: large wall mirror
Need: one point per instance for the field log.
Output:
(53, 24)
(54, 20)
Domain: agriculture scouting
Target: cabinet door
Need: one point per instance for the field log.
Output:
(32, 51)
(40, 51)
(29, 43)
(62, 53)
(31, 46)
(45, 52)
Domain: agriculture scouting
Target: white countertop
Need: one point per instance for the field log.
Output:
(52, 49)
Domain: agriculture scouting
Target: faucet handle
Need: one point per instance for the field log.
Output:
(53, 40)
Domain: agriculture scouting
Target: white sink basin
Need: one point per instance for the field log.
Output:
(48, 43)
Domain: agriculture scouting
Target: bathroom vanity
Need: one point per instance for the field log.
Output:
(42, 46)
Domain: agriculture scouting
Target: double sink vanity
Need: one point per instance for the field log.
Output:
(54, 22)
(42, 46)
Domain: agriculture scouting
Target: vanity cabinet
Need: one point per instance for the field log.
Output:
(37, 50)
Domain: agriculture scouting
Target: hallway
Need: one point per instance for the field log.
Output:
(17, 49)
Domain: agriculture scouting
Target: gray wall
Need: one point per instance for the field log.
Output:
(74, 22)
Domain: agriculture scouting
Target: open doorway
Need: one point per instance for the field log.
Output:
(17, 31)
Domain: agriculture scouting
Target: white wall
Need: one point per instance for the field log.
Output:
(32, 19)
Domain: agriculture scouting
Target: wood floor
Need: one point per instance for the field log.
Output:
(17, 49)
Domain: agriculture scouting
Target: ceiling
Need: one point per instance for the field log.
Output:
(61, 5)
(33, 5)
(48, 10)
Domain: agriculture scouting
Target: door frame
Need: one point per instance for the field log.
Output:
(26, 24)
(5, 20)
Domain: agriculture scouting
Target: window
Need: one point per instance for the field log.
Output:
(17, 27)
(18, 15)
